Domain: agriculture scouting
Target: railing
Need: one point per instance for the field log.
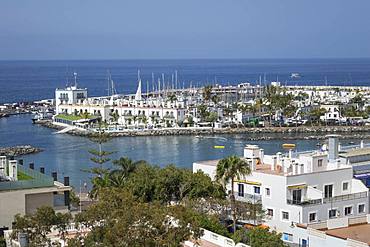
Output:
(254, 198)
(38, 180)
(345, 197)
(304, 203)
(328, 200)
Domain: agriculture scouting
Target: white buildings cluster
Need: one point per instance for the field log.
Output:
(303, 193)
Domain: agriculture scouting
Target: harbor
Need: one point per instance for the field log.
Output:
(68, 154)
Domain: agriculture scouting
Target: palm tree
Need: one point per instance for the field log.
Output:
(228, 169)
(115, 117)
(172, 97)
(125, 166)
(207, 92)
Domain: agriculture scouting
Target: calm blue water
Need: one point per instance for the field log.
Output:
(68, 155)
(34, 80)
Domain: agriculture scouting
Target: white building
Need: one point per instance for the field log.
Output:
(332, 114)
(306, 188)
(127, 111)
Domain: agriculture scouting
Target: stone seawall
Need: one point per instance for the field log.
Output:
(19, 150)
(266, 133)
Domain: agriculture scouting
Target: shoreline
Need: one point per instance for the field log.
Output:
(269, 133)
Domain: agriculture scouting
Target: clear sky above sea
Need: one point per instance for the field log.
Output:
(126, 29)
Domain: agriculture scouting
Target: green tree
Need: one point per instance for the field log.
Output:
(202, 111)
(124, 221)
(227, 170)
(99, 157)
(172, 98)
(258, 236)
(207, 92)
(38, 225)
(315, 114)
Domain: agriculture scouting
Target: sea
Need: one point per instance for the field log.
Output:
(25, 81)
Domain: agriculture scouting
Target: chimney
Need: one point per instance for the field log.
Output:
(42, 170)
(333, 147)
(294, 168)
(13, 169)
(253, 164)
(55, 176)
(32, 166)
(278, 158)
(274, 163)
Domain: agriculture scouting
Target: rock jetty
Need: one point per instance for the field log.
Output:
(265, 133)
(19, 150)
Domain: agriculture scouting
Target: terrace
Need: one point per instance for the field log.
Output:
(27, 179)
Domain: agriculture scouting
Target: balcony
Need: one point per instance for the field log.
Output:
(304, 203)
(168, 116)
(345, 197)
(252, 198)
(348, 197)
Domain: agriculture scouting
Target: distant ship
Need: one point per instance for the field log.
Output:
(295, 75)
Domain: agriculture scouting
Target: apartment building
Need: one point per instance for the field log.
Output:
(300, 188)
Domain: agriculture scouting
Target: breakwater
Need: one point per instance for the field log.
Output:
(265, 133)
(19, 150)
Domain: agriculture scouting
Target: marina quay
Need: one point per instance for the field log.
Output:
(212, 106)
(304, 193)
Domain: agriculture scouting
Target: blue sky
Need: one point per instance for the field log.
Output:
(135, 29)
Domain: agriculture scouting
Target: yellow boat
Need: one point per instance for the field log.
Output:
(288, 146)
(219, 147)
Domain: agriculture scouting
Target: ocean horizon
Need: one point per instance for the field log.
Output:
(30, 80)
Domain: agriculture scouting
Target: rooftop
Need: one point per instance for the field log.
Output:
(355, 152)
(265, 168)
(359, 232)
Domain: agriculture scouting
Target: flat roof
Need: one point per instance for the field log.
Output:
(355, 152)
(265, 168)
(358, 232)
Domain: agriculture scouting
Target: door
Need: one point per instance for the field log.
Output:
(328, 191)
(297, 196)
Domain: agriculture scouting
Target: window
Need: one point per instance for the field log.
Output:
(240, 189)
(285, 215)
(312, 217)
(328, 191)
(257, 190)
(304, 243)
(267, 191)
(270, 212)
(319, 163)
(348, 210)
(361, 208)
(332, 213)
(288, 237)
(345, 186)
